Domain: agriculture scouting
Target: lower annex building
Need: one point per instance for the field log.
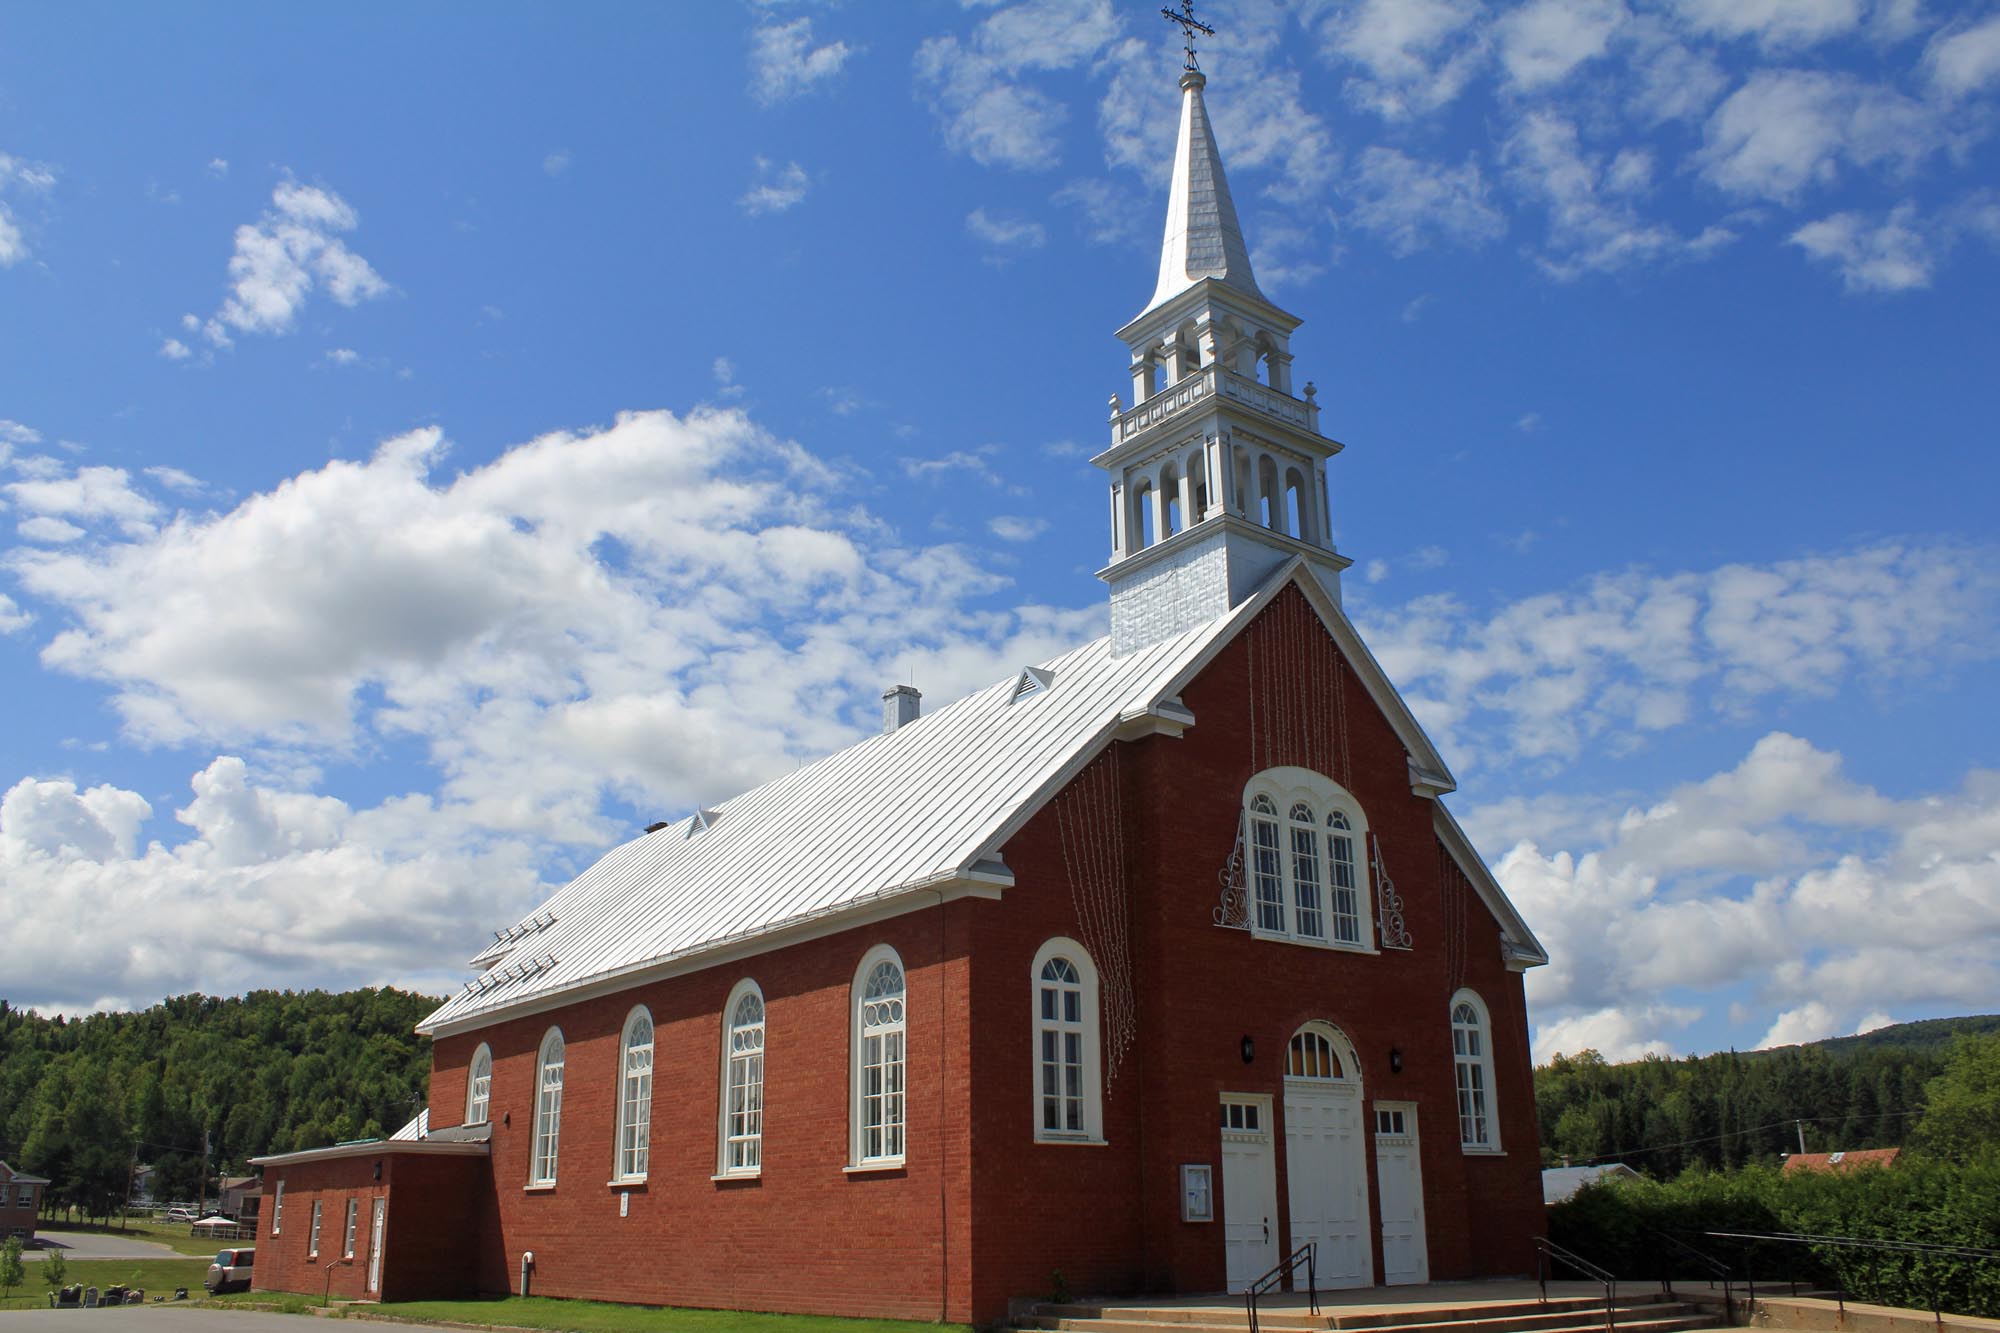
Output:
(1134, 971)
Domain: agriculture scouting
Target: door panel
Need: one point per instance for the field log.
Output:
(375, 1246)
(1399, 1176)
(1249, 1190)
(1326, 1171)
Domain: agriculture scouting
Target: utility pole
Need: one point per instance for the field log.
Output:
(1800, 1125)
(131, 1175)
(201, 1205)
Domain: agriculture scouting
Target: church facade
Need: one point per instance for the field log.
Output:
(1139, 970)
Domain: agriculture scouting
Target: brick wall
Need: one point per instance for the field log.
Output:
(16, 1219)
(430, 1226)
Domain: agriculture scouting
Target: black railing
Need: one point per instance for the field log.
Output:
(1679, 1251)
(1548, 1254)
(1284, 1268)
(1909, 1247)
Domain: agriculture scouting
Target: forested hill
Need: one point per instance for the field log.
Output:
(1661, 1116)
(270, 1071)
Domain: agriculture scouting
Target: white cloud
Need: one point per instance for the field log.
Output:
(1786, 131)
(1544, 40)
(1416, 55)
(1965, 58)
(1670, 80)
(20, 176)
(88, 493)
(724, 371)
(1411, 203)
(13, 432)
(975, 89)
(1890, 255)
(784, 63)
(342, 356)
(1005, 233)
(1615, 1034)
(174, 479)
(1593, 225)
(774, 188)
(218, 167)
(1872, 1022)
(1782, 877)
(48, 529)
(1774, 23)
(1631, 653)
(175, 350)
(556, 163)
(1015, 528)
(280, 260)
(12, 618)
(1529, 423)
(1108, 215)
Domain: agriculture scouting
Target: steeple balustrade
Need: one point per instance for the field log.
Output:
(1191, 391)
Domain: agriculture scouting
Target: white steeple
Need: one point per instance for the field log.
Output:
(1218, 472)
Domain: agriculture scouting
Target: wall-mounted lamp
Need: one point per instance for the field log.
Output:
(507, 1119)
(378, 1170)
(1395, 1059)
(1249, 1049)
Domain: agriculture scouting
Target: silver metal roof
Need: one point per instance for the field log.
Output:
(1203, 238)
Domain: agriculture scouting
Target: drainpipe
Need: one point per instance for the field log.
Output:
(527, 1263)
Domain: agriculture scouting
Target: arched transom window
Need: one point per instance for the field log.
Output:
(548, 1111)
(479, 1086)
(743, 1082)
(1068, 1080)
(1472, 1058)
(1308, 877)
(1312, 1056)
(635, 1096)
(879, 1094)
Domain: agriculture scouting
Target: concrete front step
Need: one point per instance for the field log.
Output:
(1632, 1315)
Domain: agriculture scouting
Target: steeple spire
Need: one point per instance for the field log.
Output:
(1203, 238)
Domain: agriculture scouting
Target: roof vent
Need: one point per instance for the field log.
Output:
(1031, 683)
(655, 828)
(901, 705)
(701, 821)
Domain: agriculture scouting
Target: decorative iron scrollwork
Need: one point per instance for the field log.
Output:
(1395, 932)
(1233, 912)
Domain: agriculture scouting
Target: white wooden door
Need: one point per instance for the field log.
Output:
(1326, 1171)
(375, 1245)
(1249, 1190)
(1400, 1181)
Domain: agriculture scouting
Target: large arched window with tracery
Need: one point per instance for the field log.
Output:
(1305, 838)
(1472, 1060)
(880, 1096)
(743, 1081)
(1069, 1078)
(547, 1136)
(635, 1096)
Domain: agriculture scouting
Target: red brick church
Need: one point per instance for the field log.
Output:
(1133, 972)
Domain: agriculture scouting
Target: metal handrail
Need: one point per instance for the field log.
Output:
(1284, 1268)
(1865, 1243)
(1716, 1268)
(1548, 1253)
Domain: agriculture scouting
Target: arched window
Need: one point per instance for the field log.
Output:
(635, 1096)
(879, 1065)
(1170, 491)
(1319, 1053)
(479, 1086)
(1069, 1079)
(1306, 870)
(1472, 1056)
(548, 1112)
(1146, 527)
(743, 1081)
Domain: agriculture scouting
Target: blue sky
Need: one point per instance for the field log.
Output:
(434, 444)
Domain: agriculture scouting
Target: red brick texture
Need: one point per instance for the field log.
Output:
(430, 1229)
(17, 1218)
(983, 1213)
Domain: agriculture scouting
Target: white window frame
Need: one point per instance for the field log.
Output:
(353, 1213)
(632, 1143)
(277, 1207)
(1089, 1028)
(479, 1086)
(857, 1159)
(312, 1241)
(1472, 1076)
(1286, 790)
(751, 1065)
(546, 1123)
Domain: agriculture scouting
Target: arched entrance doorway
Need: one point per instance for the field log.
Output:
(1326, 1155)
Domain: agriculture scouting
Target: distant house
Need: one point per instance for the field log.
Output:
(20, 1202)
(240, 1197)
(1842, 1161)
(1560, 1182)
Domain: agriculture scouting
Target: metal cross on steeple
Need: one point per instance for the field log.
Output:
(1190, 25)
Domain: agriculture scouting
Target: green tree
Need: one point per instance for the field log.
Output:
(11, 1270)
(55, 1269)
(1961, 1118)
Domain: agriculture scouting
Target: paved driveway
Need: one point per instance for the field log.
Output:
(157, 1319)
(100, 1245)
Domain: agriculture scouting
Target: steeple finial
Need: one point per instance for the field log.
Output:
(1190, 25)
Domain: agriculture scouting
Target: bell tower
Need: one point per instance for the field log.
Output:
(1218, 469)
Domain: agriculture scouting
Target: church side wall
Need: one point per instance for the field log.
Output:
(805, 1235)
(429, 1225)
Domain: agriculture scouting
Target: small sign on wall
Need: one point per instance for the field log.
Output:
(1197, 1192)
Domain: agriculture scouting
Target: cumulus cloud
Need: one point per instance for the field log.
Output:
(1412, 204)
(1016, 528)
(1773, 23)
(785, 64)
(1544, 40)
(1005, 233)
(775, 188)
(1890, 254)
(1783, 878)
(18, 177)
(976, 89)
(1965, 57)
(1411, 56)
(1786, 131)
(292, 252)
(88, 493)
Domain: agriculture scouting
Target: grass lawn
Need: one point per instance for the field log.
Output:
(601, 1317)
(173, 1234)
(158, 1276)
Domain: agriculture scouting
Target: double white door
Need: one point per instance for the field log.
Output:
(1326, 1175)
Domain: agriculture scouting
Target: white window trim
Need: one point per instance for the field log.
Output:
(473, 1102)
(1343, 1051)
(278, 1207)
(1093, 1064)
(855, 1161)
(312, 1241)
(1286, 786)
(723, 1170)
(1485, 1060)
(619, 1175)
(353, 1213)
(535, 1179)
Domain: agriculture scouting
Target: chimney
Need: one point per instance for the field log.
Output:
(900, 706)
